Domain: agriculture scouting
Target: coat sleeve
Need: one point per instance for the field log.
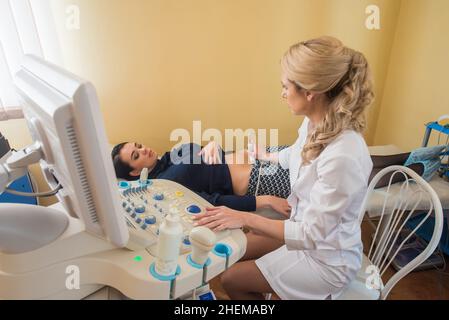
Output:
(340, 182)
(284, 158)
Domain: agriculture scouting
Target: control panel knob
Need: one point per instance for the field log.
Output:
(193, 209)
(139, 209)
(150, 220)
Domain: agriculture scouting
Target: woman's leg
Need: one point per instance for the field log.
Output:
(240, 286)
(258, 246)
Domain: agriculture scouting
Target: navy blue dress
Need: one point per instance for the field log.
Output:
(212, 182)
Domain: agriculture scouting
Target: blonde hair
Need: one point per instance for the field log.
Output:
(325, 65)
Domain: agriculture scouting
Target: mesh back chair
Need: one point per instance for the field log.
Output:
(400, 202)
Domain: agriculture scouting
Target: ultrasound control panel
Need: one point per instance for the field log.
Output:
(147, 204)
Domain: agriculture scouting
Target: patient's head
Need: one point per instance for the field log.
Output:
(130, 158)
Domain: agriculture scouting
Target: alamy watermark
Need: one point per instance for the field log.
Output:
(233, 140)
(374, 280)
(72, 281)
(372, 22)
(73, 17)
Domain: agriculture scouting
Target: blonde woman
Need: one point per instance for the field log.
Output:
(318, 250)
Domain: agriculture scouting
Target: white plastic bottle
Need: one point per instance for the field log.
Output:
(169, 242)
(144, 176)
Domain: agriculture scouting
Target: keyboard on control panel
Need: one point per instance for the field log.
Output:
(146, 206)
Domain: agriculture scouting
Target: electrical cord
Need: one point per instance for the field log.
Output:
(258, 179)
(29, 194)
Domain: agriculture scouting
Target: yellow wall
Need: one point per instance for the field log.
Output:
(417, 86)
(160, 64)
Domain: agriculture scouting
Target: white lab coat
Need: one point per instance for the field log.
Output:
(323, 247)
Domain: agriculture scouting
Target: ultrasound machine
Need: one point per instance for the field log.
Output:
(136, 237)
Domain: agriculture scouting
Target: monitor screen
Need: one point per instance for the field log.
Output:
(64, 119)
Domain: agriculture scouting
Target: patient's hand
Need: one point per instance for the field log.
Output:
(211, 153)
(280, 205)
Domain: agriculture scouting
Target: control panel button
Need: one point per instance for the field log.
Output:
(123, 184)
(186, 241)
(158, 197)
(179, 194)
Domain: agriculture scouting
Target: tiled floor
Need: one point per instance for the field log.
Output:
(419, 285)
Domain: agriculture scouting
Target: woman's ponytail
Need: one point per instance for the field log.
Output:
(324, 65)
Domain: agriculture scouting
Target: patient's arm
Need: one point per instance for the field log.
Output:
(211, 153)
(279, 205)
(243, 203)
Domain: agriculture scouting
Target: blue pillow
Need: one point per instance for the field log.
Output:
(429, 157)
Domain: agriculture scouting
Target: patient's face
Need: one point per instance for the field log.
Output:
(138, 157)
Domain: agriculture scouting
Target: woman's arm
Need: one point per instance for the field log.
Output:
(248, 203)
(221, 218)
(341, 183)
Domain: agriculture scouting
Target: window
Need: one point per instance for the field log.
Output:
(26, 27)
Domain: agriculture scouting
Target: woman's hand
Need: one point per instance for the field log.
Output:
(256, 151)
(259, 151)
(211, 153)
(221, 218)
(280, 205)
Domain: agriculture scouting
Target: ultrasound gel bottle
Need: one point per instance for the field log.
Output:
(170, 236)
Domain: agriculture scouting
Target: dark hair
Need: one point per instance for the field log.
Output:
(122, 169)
